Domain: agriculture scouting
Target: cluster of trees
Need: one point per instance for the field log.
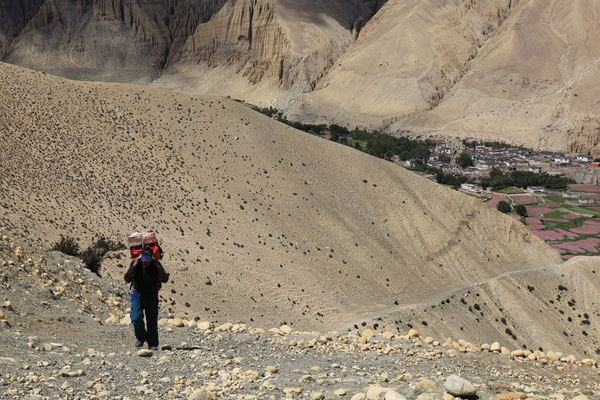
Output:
(522, 179)
(93, 255)
(505, 208)
(385, 146)
(377, 144)
(493, 144)
(464, 160)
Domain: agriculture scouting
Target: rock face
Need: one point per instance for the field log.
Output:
(281, 41)
(14, 15)
(519, 71)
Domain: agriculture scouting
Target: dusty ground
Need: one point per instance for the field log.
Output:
(66, 333)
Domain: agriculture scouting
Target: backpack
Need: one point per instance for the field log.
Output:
(140, 240)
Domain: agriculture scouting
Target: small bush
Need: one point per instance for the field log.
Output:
(92, 258)
(107, 245)
(93, 255)
(521, 210)
(67, 245)
(504, 207)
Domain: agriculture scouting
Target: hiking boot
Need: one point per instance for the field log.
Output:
(153, 348)
(138, 343)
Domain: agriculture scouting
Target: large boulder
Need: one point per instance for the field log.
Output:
(457, 386)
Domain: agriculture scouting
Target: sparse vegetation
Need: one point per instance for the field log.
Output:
(93, 255)
(67, 245)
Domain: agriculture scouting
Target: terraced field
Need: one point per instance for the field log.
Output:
(571, 228)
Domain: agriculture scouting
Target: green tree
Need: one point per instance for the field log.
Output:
(504, 207)
(464, 160)
(444, 158)
(521, 210)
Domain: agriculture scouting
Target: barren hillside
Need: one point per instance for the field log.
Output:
(261, 223)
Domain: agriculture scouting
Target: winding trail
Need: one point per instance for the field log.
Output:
(441, 296)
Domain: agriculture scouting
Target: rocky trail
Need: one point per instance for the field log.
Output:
(235, 361)
(442, 295)
(66, 334)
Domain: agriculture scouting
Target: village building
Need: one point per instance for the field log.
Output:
(536, 189)
(585, 159)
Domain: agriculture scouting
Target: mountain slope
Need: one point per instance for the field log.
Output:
(260, 222)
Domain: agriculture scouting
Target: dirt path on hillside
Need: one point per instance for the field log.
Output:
(439, 296)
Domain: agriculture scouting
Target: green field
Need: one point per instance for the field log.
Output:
(583, 210)
(511, 190)
(555, 214)
(576, 223)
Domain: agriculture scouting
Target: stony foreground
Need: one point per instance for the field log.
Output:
(65, 333)
(199, 361)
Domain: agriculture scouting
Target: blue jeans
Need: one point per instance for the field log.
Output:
(147, 303)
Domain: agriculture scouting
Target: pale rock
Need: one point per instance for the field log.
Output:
(428, 396)
(198, 395)
(292, 392)
(224, 327)
(495, 347)
(518, 353)
(367, 333)
(145, 353)
(358, 396)
(373, 392)
(571, 358)
(271, 369)
(317, 396)
(413, 333)
(340, 392)
(204, 325)
(459, 387)
(285, 329)
(392, 395)
(426, 385)
(589, 362)
(176, 322)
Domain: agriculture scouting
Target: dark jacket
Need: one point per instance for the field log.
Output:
(146, 280)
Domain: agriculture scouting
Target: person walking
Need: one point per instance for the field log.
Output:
(147, 275)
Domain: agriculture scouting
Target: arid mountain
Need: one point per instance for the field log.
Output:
(522, 71)
(260, 227)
